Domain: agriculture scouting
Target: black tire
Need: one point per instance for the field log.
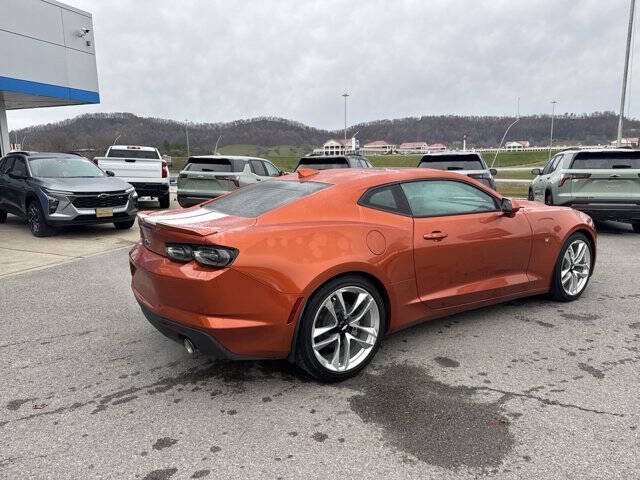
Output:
(530, 197)
(165, 201)
(634, 225)
(3, 216)
(124, 225)
(548, 198)
(305, 355)
(558, 292)
(36, 220)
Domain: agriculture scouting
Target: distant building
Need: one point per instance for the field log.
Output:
(379, 146)
(627, 142)
(336, 147)
(437, 147)
(413, 147)
(517, 145)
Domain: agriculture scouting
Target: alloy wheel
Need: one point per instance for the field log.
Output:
(33, 218)
(345, 328)
(576, 267)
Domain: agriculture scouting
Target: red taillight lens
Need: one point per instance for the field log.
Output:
(573, 176)
(165, 173)
(95, 161)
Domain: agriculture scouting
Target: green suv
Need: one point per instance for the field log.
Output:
(604, 183)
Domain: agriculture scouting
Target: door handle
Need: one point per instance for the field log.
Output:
(437, 236)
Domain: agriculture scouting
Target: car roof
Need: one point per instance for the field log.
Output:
(330, 157)
(451, 154)
(34, 155)
(597, 149)
(224, 157)
(371, 177)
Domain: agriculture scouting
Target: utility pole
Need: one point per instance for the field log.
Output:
(215, 150)
(626, 70)
(116, 139)
(464, 142)
(345, 95)
(553, 114)
(186, 130)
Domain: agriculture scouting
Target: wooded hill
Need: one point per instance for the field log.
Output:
(97, 131)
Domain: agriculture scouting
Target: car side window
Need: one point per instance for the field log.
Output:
(258, 168)
(431, 198)
(552, 165)
(6, 165)
(19, 168)
(388, 197)
(271, 170)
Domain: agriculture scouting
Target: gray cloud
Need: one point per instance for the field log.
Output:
(223, 60)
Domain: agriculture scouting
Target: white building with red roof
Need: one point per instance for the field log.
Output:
(379, 146)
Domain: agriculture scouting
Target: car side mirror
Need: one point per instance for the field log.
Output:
(494, 172)
(509, 207)
(110, 173)
(536, 172)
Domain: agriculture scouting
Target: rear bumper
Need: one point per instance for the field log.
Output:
(177, 332)
(224, 312)
(145, 189)
(609, 211)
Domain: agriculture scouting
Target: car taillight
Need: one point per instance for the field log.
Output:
(165, 173)
(207, 255)
(95, 161)
(573, 176)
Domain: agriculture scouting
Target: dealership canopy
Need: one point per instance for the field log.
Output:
(47, 58)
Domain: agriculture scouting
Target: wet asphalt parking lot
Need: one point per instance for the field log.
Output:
(528, 389)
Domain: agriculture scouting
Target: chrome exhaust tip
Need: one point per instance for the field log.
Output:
(189, 346)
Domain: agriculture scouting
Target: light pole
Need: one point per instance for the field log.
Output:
(215, 150)
(345, 95)
(626, 70)
(22, 144)
(116, 139)
(553, 114)
(186, 131)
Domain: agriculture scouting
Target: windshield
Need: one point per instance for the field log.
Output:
(132, 153)
(606, 160)
(452, 162)
(217, 165)
(259, 198)
(323, 163)
(64, 167)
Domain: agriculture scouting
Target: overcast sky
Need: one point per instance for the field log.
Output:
(212, 61)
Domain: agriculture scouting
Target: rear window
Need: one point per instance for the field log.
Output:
(606, 160)
(452, 162)
(118, 153)
(215, 165)
(323, 163)
(259, 198)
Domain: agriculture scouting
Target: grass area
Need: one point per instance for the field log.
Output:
(286, 158)
(516, 174)
(516, 191)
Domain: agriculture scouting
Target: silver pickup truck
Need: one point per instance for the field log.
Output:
(604, 183)
(142, 167)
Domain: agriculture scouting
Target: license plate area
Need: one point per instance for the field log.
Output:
(104, 212)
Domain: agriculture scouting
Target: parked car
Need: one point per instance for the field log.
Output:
(318, 266)
(206, 177)
(57, 189)
(325, 162)
(142, 167)
(605, 183)
(465, 163)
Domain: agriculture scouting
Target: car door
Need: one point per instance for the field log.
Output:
(16, 185)
(466, 250)
(541, 183)
(5, 163)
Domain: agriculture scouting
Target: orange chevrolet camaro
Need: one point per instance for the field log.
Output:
(318, 266)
